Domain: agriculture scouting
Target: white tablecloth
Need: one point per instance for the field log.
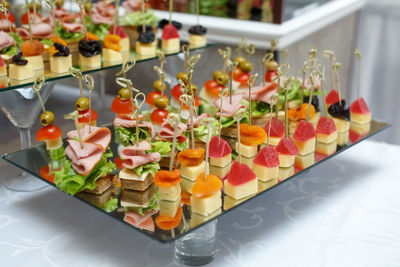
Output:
(345, 212)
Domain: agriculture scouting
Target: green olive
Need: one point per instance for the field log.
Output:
(124, 94)
(222, 79)
(6, 4)
(217, 74)
(182, 76)
(239, 59)
(38, 6)
(272, 65)
(59, 3)
(157, 85)
(47, 118)
(82, 104)
(88, 5)
(193, 88)
(161, 102)
(246, 66)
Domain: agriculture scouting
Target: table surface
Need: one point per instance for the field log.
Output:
(345, 212)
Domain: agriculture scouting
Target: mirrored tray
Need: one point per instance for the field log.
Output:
(109, 202)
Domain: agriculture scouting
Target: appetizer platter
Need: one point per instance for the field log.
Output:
(194, 155)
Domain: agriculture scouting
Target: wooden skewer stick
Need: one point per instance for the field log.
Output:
(197, 14)
(174, 121)
(267, 58)
(357, 53)
(209, 121)
(282, 70)
(116, 16)
(288, 82)
(161, 75)
(250, 83)
(89, 81)
(331, 56)
(238, 117)
(226, 54)
(321, 73)
(312, 54)
(143, 16)
(82, 10)
(29, 19)
(185, 51)
(241, 46)
(78, 75)
(273, 45)
(250, 50)
(51, 4)
(171, 8)
(336, 69)
(284, 54)
(75, 116)
(126, 67)
(37, 86)
(3, 9)
(126, 83)
(311, 89)
(232, 67)
(161, 58)
(138, 106)
(222, 94)
(182, 98)
(272, 101)
(304, 70)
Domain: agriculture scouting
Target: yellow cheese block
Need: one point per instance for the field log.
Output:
(55, 143)
(206, 206)
(187, 185)
(360, 118)
(285, 160)
(326, 149)
(343, 138)
(36, 62)
(125, 44)
(285, 172)
(196, 218)
(230, 202)
(18, 72)
(303, 162)
(241, 191)
(191, 173)
(144, 51)
(170, 193)
(306, 147)
(248, 161)
(169, 208)
(272, 141)
(247, 151)
(314, 120)
(220, 172)
(221, 162)
(111, 57)
(3, 70)
(264, 173)
(293, 126)
(341, 125)
(235, 85)
(196, 41)
(90, 62)
(206, 95)
(262, 186)
(360, 129)
(170, 46)
(125, 55)
(327, 138)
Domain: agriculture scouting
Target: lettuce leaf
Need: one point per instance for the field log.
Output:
(153, 205)
(10, 51)
(65, 35)
(228, 121)
(57, 153)
(110, 205)
(71, 183)
(127, 136)
(259, 108)
(201, 132)
(47, 42)
(161, 147)
(151, 167)
(135, 19)
(17, 38)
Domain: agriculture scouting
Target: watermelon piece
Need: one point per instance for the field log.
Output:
(169, 32)
(287, 146)
(267, 157)
(354, 136)
(359, 106)
(219, 148)
(326, 126)
(119, 31)
(240, 174)
(304, 131)
(277, 128)
(332, 97)
(2, 63)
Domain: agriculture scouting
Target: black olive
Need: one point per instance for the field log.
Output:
(89, 48)
(164, 22)
(198, 30)
(18, 60)
(148, 29)
(314, 102)
(146, 37)
(340, 110)
(62, 50)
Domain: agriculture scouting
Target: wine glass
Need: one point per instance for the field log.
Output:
(21, 106)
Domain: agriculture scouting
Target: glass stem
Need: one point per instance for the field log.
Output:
(25, 137)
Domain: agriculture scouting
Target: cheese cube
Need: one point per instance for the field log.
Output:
(293, 126)
(90, 62)
(111, 57)
(124, 43)
(285, 173)
(341, 125)
(235, 85)
(220, 172)
(247, 151)
(170, 193)
(360, 118)
(221, 162)
(170, 46)
(60, 64)
(327, 138)
(3, 70)
(285, 160)
(18, 72)
(262, 186)
(264, 173)
(241, 191)
(303, 162)
(125, 55)
(306, 147)
(272, 141)
(169, 208)
(360, 129)
(248, 161)
(314, 120)
(187, 185)
(36, 62)
(230, 202)
(206, 206)
(191, 173)
(343, 138)
(206, 95)
(54, 143)
(196, 218)
(326, 149)
(144, 51)
(196, 41)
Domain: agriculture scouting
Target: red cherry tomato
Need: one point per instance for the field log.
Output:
(25, 19)
(85, 116)
(49, 132)
(270, 75)
(158, 115)
(243, 78)
(197, 102)
(236, 73)
(213, 88)
(176, 91)
(10, 17)
(151, 96)
(118, 163)
(120, 106)
(44, 172)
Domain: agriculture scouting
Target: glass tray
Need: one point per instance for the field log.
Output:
(32, 159)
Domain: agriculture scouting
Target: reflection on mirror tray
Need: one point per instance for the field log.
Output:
(165, 220)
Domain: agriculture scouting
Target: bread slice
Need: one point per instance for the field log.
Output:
(137, 184)
(97, 200)
(102, 184)
(138, 197)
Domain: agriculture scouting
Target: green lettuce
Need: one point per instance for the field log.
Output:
(201, 132)
(181, 146)
(47, 42)
(259, 108)
(135, 19)
(10, 51)
(153, 205)
(110, 205)
(57, 153)
(65, 35)
(151, 167)
(127, 136)
(161, 147)
(17, 38)
(71, 183)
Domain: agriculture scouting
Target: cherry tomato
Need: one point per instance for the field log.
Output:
(242, 79)
(158, 115)
(176, 91)
(118, 163)
(151, 96)
(197, 102)
(25, 19)
(236, 73)
(49, 132)
(10, 17)
(85, 116)
(213, 87)
(270, 75)
(120, 106)
(45, 174)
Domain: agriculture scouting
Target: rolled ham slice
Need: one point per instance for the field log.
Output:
(83, 159)
(228, 109)
(72, 26)
(60, 13)
(132, 5)
(126, 122)
(140, 221)
(196, 121)
(166, 132)
(6, 40)
(261, 92)
(5, 25)
(97, 135)
(41, 31)
(134, 156)
(103, 13)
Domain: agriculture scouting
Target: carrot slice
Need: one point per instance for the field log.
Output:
(111, 41)
(166, 178)
(251, 135)
(203, 188)
(167, 223)
(191, 157)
